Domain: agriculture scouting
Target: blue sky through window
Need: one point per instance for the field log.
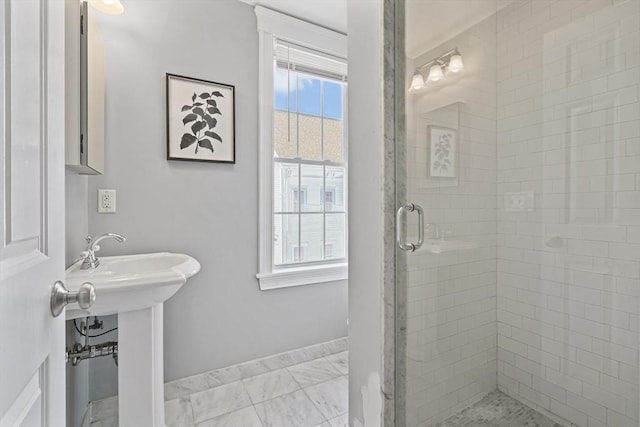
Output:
(309, 90)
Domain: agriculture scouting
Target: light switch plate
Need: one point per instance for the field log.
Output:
(106, 201)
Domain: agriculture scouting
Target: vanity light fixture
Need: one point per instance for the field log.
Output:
(435, 73)
(455, 63)
(417, 81)
(449, 63)
(110, 7)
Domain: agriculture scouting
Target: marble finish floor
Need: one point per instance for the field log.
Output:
(498, 410)
(309, 394)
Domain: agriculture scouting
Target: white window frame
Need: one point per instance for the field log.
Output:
(273, 25)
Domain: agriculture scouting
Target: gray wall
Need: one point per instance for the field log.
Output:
(76, 216)
(209, 211)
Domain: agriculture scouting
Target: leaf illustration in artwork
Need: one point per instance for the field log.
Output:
(218, 94)
(189, 118)
(186, 107)
(193, 98)
(199, 111)
(198, 104)
(212, 102)
(211, 122)
(205, 143)
(213, 110)
(213, 135)
(204, 95)
(187, 140)
(198, 126)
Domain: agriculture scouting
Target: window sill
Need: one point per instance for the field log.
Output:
(302, 276)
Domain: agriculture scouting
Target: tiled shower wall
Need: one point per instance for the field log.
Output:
(451, 318)
(569, 208)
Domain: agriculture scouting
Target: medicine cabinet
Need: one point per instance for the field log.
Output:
(85, 90)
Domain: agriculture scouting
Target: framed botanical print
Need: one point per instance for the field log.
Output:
(200, 120)
(442, 151)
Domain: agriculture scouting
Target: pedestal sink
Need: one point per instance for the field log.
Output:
(135, 287)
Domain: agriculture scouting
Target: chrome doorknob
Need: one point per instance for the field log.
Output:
(61, 296)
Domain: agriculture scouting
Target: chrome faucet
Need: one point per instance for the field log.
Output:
(89, 260)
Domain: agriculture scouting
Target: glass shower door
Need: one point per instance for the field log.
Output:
(522, 147)
(449, 351)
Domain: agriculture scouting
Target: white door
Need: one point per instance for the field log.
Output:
(32, 367)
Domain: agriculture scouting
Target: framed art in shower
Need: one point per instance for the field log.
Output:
(442, 149)
(200, 120)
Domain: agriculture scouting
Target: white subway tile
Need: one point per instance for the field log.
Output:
(564, 381)
(617, 386)
(617, 419)
(624, 337)
(624, 251)
(603, 397)
(586, 375)
(529, 366)
(615, 352)
(597, 362)
(517, 374)
(589, 407)
(569, 413)
(534, 396)
(549, 389)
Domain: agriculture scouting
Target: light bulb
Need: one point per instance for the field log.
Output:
(435, 73)
(110, 7)
(455, 63)
(417, 81)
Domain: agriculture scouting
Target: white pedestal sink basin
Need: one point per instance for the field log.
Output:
(135, 287)
(131, 282)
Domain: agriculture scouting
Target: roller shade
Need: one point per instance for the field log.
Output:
(294, 57)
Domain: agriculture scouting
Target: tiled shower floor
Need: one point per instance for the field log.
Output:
(309, 394)
(498, 410)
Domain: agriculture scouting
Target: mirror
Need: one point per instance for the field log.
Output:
(85, 84)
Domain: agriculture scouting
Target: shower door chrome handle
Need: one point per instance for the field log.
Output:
(411, 207)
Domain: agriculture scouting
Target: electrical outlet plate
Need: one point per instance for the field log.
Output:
(106, 201)
(519, 201)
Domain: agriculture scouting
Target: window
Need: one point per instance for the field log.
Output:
(303, 152)
(298, 199)
(329, 198)
(298, 253)
(328, 250)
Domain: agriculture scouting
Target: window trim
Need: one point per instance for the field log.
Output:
(272, 25)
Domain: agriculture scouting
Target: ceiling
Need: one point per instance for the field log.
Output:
(326, 13)
(429, 22)
(432, 22)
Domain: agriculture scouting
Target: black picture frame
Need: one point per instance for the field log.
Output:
(200, 117)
